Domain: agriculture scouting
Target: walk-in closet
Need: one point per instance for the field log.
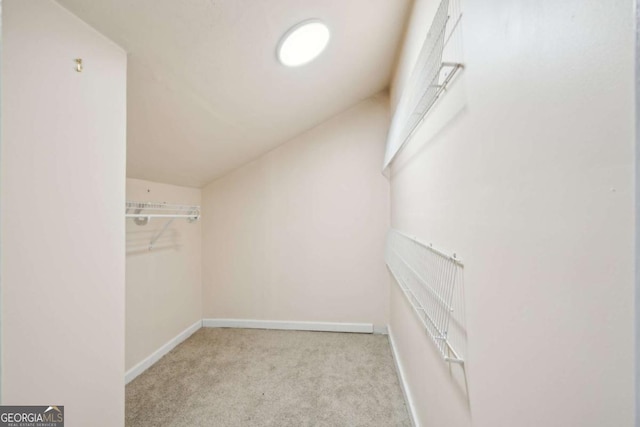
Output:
(284, 213)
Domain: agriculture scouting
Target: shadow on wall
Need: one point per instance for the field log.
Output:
(139, 238)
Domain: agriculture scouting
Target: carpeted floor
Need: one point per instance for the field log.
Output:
(251, 377)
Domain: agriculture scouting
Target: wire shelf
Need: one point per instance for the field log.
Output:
(429, 79)
(427, 277)
(143, 212)
(161, 210)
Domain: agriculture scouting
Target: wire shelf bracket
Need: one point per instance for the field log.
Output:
(427, 278)
(143, 212)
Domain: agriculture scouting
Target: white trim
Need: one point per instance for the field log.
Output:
(363, 328)
(380, 329)
(637, 219)
(157, 355)
(402, 379)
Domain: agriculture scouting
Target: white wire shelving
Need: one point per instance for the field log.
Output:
(143, 212)
(433, 71)
(427, 277)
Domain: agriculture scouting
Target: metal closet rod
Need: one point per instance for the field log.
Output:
(143, 215)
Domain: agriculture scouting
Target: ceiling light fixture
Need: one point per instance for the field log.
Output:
(303, 43)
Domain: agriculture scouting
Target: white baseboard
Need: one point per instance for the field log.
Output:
(157, 355)
(380, 329)
(364, 328)
(402, 379)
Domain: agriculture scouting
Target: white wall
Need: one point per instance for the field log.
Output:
(525, 170)
(63, 188)
(298, 234)
(164, 285)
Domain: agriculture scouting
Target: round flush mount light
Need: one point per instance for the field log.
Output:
(303, 43)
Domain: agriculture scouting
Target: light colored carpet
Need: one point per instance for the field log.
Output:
(251, 377)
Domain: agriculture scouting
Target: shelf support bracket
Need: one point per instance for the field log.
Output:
(159, 233)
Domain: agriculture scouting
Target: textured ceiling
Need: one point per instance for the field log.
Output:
(206, 93)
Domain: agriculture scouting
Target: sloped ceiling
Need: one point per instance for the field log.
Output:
(206, 93)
